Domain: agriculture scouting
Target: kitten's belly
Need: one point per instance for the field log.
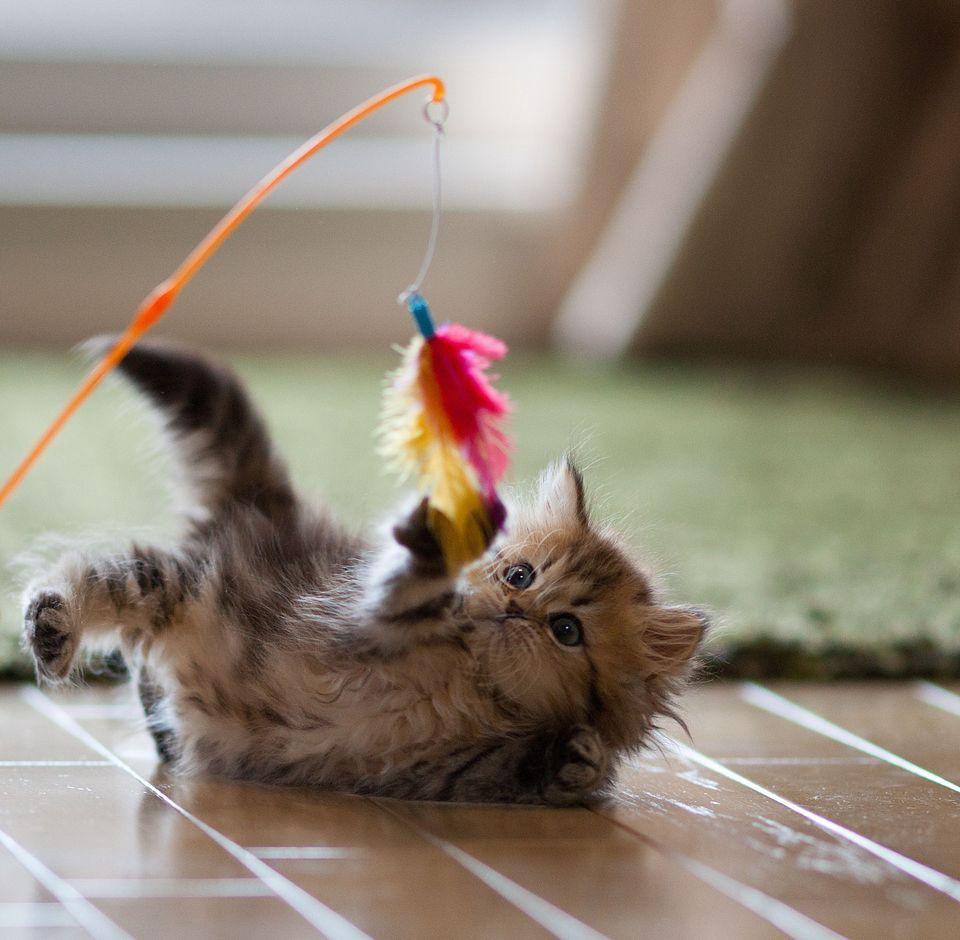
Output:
(379, 735)
(364, 732)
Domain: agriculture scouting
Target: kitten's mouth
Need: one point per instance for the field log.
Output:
(504, 618)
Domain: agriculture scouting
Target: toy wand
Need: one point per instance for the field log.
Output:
(441, 414)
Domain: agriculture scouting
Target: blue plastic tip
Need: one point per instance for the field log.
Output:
(421, 314)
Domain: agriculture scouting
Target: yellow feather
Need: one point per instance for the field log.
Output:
(417, 440)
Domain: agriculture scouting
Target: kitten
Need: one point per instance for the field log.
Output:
(271, 644)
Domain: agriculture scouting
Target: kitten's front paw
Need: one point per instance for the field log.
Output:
(48, 635)
(580, 765)
(414, 534)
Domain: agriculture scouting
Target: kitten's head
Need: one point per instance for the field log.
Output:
(568, 625)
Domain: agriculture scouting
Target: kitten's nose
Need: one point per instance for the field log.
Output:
(513, 609)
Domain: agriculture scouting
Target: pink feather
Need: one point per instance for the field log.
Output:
(473, 406)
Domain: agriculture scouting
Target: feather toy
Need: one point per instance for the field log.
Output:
(441, 414)
(442, 424)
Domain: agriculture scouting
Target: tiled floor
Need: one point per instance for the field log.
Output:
(807, 811)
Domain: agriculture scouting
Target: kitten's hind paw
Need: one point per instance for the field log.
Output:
(48, 635)
(581, 763)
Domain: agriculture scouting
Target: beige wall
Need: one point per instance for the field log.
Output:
(124, 113)
(286, 279)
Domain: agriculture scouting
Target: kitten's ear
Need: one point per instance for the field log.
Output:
(561, 494)
(673, 635)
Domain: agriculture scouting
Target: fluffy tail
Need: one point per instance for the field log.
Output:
(222, 448)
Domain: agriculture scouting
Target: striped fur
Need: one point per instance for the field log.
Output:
(272, 644)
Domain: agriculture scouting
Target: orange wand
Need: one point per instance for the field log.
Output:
(162, 297)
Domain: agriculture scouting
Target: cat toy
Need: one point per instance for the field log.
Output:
(441, 414)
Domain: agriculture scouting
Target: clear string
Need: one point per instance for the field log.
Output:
(437, 123)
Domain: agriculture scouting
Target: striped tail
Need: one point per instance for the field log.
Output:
(222, 450)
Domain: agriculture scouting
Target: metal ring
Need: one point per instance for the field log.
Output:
(444, 110)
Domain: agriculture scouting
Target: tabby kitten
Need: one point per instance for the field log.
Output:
(272, 644)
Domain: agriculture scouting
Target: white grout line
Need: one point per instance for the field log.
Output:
(301, 851)
(55, 763)
(782, 707)
(938, 697)
(34, 914)
(929, 876)
(799, 761)
(101, 710)
(547, 915)
(785, 918)
(315, 912)
(95, 922)
(791, 921)
(172, 887)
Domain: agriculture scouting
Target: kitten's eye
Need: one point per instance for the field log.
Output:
(519, 576)
(567, 629)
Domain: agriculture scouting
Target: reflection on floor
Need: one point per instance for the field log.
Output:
(806, 811)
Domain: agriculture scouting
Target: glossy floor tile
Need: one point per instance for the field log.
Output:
(587, 868)
(876, 799)
(895, 717)
(793, 810)
(16, 883)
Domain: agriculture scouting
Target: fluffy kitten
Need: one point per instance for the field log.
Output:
(273, 645)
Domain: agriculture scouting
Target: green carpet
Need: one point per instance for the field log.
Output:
(818, 517)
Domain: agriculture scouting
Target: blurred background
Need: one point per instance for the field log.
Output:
(721, 236)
